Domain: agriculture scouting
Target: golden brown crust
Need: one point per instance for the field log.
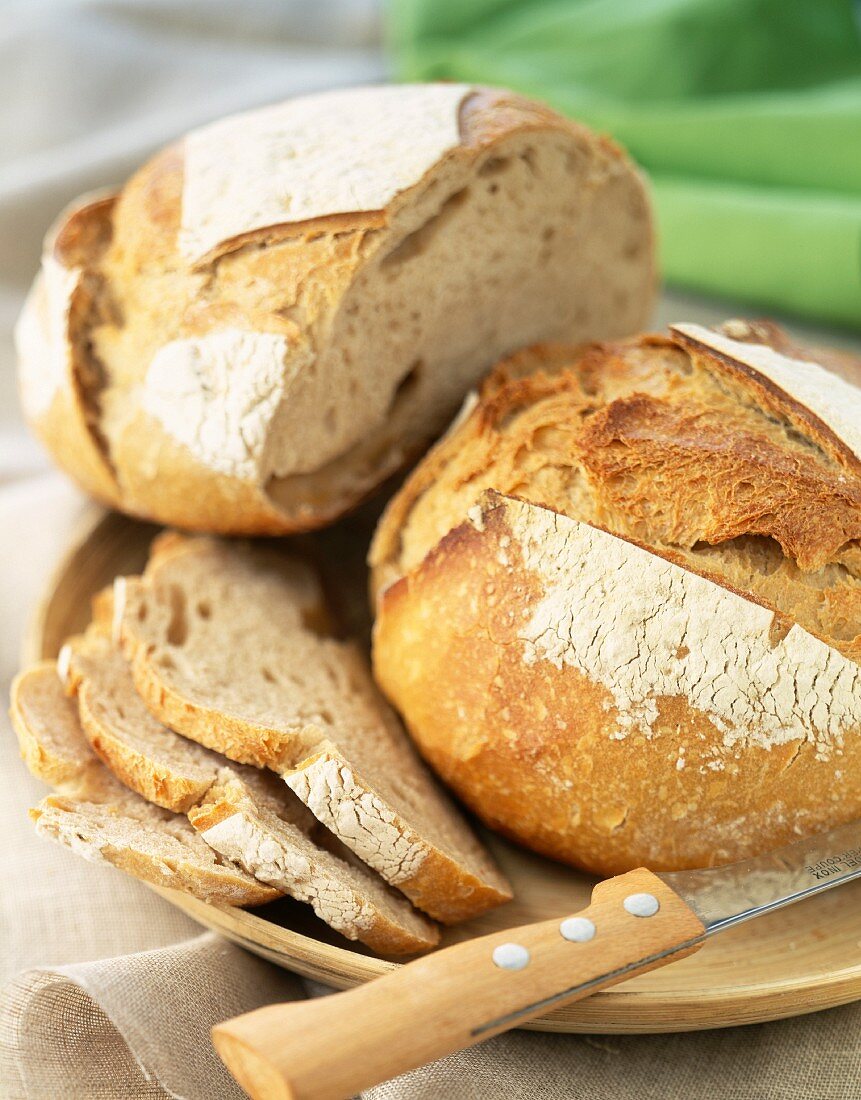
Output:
(138, 294)
(240, 890)
(57, 761)
(768, 334)
(646, 441)
(526, 746)
(53, 341)
(672, 455)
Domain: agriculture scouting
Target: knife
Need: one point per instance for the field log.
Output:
(331, 1047)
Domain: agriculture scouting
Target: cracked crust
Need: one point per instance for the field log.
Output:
(307, 709)
(248, 817)
(239, 355)
(657, 620)
(249, 820)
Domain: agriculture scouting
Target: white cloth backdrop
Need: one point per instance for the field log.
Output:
(87, 90)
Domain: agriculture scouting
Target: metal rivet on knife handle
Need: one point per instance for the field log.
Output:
(641, 905)
(510, 956)
(577, 929)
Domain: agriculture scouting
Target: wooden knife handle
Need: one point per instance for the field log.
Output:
(330, 1048)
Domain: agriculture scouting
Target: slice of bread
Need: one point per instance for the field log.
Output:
(165, 852)
(102, 820)
(52, 743)
(252, 818)
(248, 816)
(227, 647)
(138, 749)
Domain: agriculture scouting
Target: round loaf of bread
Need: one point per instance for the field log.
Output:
(620, 603)
(277, 312)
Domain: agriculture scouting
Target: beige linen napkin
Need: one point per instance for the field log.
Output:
(137, 1025)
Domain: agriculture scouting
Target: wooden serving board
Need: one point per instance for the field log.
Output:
(801, 959)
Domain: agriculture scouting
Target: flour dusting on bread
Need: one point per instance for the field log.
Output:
(217, 394)
(832, 400)
(336, 152)
(622, 615)
(360, 818)
(42, 336)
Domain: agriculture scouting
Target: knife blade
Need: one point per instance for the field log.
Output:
(725, 896)
(335, 1046)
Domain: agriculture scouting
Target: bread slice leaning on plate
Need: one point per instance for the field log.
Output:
(643, 559)
(99, 818)
(230, 646)
(281, 309)
(247, 838)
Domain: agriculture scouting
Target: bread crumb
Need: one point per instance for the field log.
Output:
(476, 517)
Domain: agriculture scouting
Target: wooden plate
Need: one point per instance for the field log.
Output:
(799, 960)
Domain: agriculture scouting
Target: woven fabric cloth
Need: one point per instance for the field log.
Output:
(116, 1043)
(133, 1026)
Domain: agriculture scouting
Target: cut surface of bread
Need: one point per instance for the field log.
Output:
(251, 343)
(248, 817)
(149, 758)
(52, 743)
(226, 648)
(643, 558)
(100, 819)
(165, 852)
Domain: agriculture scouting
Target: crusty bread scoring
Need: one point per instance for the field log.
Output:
(229, 646)
(645, 565)
(277, 312)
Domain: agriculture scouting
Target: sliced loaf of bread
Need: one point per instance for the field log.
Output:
(228, 646)
(99, 818)
(252, 818)
(248, 816)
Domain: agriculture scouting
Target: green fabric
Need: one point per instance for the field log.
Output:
(745, 113)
